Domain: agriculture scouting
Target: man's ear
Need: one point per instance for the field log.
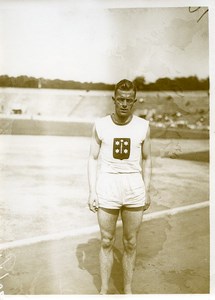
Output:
(135, 100)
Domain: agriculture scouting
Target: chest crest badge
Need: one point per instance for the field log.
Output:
(121, 148)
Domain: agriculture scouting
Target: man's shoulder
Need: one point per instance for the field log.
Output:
(102, 120)
(140, 120)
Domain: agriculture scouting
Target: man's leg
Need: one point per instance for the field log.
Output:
(131, 218)
(107, 221)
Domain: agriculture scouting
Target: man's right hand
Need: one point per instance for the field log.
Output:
(93, 202)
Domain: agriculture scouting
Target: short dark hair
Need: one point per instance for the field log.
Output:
(125, 85)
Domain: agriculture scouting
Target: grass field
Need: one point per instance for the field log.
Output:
(72, 113)
(92, 104)
(78, 127)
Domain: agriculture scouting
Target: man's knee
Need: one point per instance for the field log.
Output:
(130, 244)
(107, 242)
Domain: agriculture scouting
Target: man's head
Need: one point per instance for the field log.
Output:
(126, 86)
(124, 97)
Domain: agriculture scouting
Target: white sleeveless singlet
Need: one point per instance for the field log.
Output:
(121, 144)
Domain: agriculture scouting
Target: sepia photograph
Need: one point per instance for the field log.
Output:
(105, 158)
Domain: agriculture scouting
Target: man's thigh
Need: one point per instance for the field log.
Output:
(107, 219)
(131, 219)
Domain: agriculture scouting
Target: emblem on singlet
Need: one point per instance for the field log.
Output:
(121, 148)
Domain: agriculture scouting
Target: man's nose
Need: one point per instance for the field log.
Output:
(124, 103)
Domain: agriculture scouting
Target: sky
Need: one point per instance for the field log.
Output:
(95, 43)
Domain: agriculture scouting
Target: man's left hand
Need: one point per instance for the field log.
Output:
(148, 202)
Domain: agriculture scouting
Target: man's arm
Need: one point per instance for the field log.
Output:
(147, 166)
(92, 171)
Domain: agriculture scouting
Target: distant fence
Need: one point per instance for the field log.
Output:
(30, 126)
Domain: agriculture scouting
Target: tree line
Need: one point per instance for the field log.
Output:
(176, 84)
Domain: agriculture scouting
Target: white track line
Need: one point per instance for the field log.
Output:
(95, 228)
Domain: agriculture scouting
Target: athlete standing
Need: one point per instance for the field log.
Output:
(121, 183)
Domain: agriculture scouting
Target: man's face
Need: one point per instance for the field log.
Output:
(124, 102)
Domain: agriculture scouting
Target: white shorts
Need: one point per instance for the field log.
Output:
(117, 190)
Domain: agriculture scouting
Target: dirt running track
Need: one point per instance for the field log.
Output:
(44, 190)
(167, 261)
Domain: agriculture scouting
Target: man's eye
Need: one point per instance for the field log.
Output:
(124, 99)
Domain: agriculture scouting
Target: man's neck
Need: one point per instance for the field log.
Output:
(121, 120)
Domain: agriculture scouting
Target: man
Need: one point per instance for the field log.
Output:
(121, 141)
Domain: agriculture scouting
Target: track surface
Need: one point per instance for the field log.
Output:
(172, 258)
(44, 191)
